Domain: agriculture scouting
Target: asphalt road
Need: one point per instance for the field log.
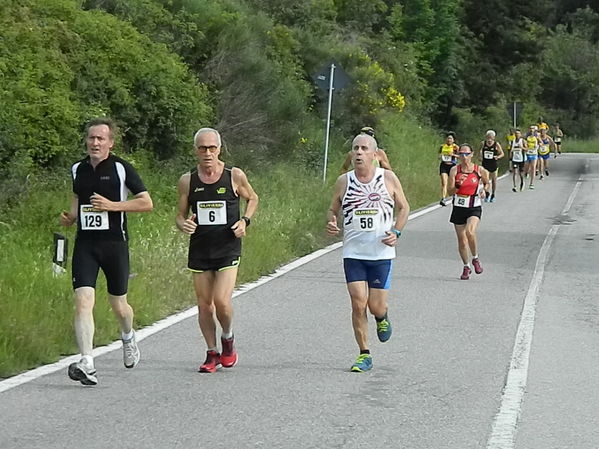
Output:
(437, 383)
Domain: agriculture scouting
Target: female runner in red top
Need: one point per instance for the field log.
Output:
(464, 184)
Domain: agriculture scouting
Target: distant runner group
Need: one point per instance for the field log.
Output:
(368, 205)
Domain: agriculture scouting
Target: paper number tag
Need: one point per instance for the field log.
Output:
(365, 219)
(446, 158)
(92, 219)
(488, 154)
(212, 213)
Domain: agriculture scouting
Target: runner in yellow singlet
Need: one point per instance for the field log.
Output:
(448, 157)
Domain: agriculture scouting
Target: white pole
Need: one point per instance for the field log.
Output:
(515, 121)
(326, 140)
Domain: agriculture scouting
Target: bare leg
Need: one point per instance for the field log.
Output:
(358, 292)
(460, 231)
(123, 312)
(84, 319)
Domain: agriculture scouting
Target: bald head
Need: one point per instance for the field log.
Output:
(362, 140)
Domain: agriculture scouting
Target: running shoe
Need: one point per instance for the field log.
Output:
(81, 372)
(442, 202)
(211, 364)
(131, 352)
(531, 187)
(228, 357)
(521, 186)
(514, 189)
(546, 172)
(541, 178)
(384, 330)
(492, 199)
(466, 273)
(362, 363)
(478, 268)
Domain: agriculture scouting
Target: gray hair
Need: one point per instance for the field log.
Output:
(204, 131)
(490, 133)
(368, 137)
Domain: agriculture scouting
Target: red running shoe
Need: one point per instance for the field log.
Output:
(211, 364)
(466, 273)
(228, 357)
(478, 268)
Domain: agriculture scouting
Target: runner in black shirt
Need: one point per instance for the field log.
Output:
(101, 183)
(212, 192)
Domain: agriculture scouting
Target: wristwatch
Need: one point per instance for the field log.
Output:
(247, 220)
(397, 232)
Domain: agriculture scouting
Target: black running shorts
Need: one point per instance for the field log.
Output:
(111, 256)
(460, 215)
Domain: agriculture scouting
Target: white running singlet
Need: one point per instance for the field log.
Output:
(367, 214)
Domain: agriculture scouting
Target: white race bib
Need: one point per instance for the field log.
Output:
(517, 156)
(544, 149)
(92, 219)
(531, 151)
(464, 201)
(488, 154)
(366, 219)
(212, 213)
(557, 140)
(446, 157)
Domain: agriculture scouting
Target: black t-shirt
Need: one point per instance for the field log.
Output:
(217, 209)
(113, 178)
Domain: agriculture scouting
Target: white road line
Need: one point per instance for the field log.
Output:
(503, 433)
(36, 373)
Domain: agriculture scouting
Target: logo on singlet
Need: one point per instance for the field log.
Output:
(104, 178)
(221, 190)
(374, 196)
(198, 189)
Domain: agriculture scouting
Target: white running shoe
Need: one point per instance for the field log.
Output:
(82, 372)
(131, 353)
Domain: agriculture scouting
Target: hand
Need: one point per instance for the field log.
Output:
(332, 228)
(66, 219)
(101, 203)
(482, 194)
(239, 228)
(189, 225)
(391, 238)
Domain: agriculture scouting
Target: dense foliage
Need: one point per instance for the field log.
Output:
(162, 68)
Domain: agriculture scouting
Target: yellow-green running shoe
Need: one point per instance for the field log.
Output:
(384, 330)
(362, 363)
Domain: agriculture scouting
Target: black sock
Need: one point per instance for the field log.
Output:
(365, 351)
(384, 317)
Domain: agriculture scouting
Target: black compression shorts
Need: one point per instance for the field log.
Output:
(111, 256)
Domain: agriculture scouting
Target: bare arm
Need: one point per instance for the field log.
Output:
(333, 212)
(185, 224)
(70, 217)
(245, 191)
(484, 176)
(402, 207)
(383, 159)
(500, 153)
(346, 163)
(451, 185)
(139, 203)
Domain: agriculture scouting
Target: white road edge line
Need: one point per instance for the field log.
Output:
(36, 373)
(503, 433)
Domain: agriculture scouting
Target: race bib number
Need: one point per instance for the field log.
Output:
(544, 149)
(558, 140)
(365, 219)
(531, 151)
(212, 213)
(517, 156)
(446, 157)
(92, 219)
(464, 201)
(488, 154)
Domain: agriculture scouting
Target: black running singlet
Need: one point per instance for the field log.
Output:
(216, 207)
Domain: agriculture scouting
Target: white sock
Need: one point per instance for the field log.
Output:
(87, 360)
(127, 336)
(475, 257)
(215, 349)
(227, 335)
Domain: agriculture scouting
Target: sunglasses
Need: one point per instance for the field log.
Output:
(464, 154)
